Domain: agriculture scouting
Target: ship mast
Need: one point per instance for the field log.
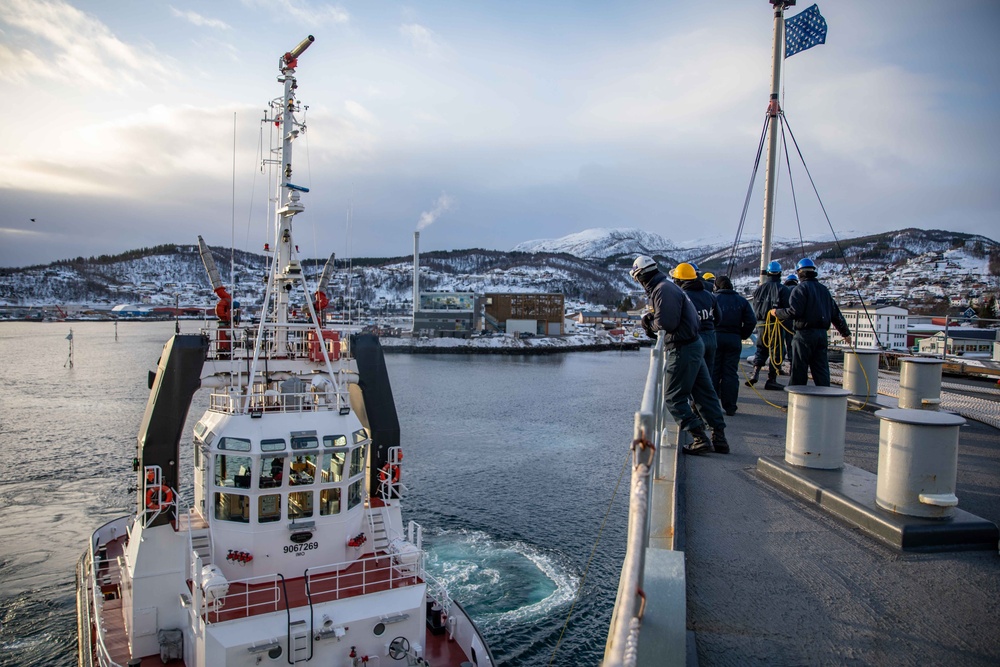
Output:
(286, 268)
(770, 180)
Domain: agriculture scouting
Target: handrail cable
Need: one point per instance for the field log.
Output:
(791, 183)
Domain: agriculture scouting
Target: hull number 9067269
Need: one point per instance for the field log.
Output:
(300, 549)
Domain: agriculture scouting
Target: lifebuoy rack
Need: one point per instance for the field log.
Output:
(156, 496)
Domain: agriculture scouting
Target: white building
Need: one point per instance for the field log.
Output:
(889, 323)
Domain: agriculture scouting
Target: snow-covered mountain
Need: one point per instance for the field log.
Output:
(602, 243)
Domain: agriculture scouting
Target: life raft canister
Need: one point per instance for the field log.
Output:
(158, 497)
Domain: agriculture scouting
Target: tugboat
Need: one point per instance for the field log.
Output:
(291, 547)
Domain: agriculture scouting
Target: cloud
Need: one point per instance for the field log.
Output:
(62, 43)
(315, 13)
(197, 19)
(358, 111)
(423, 40)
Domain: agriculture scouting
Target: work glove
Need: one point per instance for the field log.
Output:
(647, 325)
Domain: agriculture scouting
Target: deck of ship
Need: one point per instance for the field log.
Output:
(775, 580)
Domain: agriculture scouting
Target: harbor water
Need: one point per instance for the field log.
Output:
(511, 465)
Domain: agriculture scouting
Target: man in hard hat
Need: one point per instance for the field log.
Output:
(812, 310)
(736, 323)
(791, 280)
(686, 277)
(687, 375)
(708, 278)
(769, 295)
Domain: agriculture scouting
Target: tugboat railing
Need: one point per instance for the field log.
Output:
(650, 590)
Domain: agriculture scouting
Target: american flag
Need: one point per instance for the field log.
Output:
(804, 31)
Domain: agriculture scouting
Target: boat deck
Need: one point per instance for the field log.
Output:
(775, 580)
(367, 576)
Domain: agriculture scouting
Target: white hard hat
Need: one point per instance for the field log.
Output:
(642, 264)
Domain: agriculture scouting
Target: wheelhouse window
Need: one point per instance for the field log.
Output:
(234, 444)
(360, 435)
(357, 461)
(269, 508)
(300, 504)
(272, 445)
(334, 441)
(333, 465)
(272, 472)
(354, 494)
(232, 507)
(232, 470)
(302, 470)
(329, 502)
(305, 441)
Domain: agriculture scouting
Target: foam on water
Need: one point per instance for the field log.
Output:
(499, 581)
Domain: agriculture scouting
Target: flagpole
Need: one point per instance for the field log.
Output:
(770, 181)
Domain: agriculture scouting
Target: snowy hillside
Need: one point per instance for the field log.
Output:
(908, 267)
(602, 243)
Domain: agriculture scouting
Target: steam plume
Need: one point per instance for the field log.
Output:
(444, 203)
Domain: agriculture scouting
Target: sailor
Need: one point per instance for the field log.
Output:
(791, 280)
(687, 374)
(736, 323)
(812, 309)
(686, 277)
(769, 295)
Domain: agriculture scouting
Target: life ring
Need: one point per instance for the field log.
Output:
(388, 470)
(158, 497)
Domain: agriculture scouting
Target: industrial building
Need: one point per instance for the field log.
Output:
(446, 314)
(535, 314)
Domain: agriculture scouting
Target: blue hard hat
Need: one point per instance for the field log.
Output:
(792, 276)
(774, 267)
(805, 263)
(694, 266)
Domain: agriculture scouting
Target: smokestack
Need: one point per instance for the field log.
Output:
(416, 276)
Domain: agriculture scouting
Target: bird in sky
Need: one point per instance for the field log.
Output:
(32, 219)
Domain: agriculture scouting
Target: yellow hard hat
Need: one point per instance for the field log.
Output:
(684, 271)
(708, 275)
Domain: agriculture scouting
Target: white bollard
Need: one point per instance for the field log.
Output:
(861, 373)
(817, 421)
(917, 462)
(920, 383)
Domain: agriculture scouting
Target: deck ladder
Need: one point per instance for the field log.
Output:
(300, 645)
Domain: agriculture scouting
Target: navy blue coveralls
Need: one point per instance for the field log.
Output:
(812, 309)
(736, 323)
(708, 316)
(768, 295)
(687, 374)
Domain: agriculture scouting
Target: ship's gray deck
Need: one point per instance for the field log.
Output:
(775, 580)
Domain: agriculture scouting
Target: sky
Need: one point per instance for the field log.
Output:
(486, 124)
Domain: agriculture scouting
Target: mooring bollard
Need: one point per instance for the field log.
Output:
(861, 373)
(817, 420)
(920, 383)
(917, 462)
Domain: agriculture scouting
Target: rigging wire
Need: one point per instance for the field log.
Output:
(746, 202)
(791, 184)
(847, 264)
(593, 550)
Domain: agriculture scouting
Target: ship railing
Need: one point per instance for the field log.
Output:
(437, 591)
(301, 342)
(359, 577)
(651, 589)
(98, 580)
(271, 400)
(256, 595)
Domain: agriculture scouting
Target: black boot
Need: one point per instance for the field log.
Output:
(756, 376)
(719, 441)
(701, 444)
